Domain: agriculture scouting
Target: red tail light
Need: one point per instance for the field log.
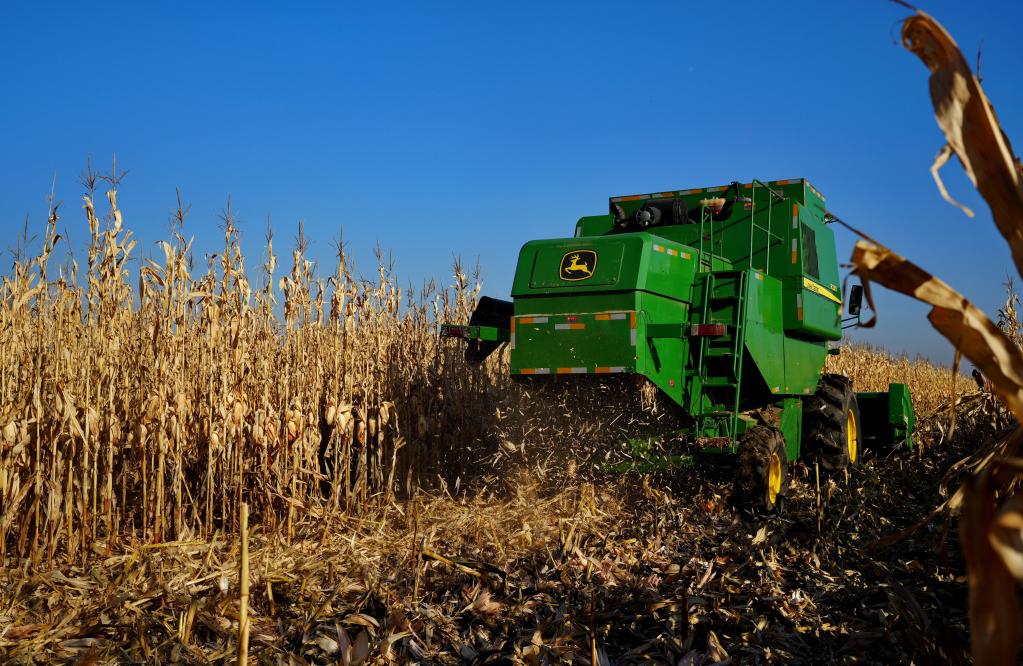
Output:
(707, 330)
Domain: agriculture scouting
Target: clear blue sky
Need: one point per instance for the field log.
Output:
(468, 128)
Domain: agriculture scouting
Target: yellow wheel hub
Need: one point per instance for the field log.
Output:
(774, 478)
(852, 440)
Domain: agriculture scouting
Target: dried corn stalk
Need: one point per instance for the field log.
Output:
(990, 535)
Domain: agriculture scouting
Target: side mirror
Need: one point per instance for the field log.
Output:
(855, 299)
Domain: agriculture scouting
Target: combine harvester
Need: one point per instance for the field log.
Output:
(726, 299)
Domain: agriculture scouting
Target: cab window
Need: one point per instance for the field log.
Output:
(810, 264)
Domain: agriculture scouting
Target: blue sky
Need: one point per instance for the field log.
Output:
(469, 128)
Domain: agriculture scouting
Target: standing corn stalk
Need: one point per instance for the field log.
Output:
(147, 405)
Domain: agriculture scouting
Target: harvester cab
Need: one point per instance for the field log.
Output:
(726, 299)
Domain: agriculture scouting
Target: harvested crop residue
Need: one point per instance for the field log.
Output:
(623, 571)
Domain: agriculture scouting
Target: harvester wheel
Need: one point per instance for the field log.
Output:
(762, 474)
(831, 424)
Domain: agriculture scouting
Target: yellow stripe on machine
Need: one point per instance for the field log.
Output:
(820, 289)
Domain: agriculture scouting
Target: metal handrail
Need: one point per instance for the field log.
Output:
(779, 196)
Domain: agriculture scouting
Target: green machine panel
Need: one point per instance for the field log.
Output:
(813, 302)
(765, 332)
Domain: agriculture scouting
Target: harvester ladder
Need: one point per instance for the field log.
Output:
(736, 326)
(736, 337)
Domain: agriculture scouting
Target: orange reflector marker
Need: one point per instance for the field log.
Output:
(569, 327)
(571, 371)
(605, 370)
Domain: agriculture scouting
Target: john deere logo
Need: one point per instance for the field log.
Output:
(578, 265)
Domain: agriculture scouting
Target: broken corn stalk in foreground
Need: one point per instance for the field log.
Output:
(990, 530)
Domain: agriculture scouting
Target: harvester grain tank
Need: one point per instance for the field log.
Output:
(726, 299)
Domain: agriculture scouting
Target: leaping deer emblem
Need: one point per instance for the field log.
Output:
(575, 267)
(578, 265)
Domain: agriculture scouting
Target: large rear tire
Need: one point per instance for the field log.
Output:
(762, 473)
(831, 424)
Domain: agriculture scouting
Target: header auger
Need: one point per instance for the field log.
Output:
(726, 299)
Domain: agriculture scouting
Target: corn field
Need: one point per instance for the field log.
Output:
(146, 404)
(933, 387)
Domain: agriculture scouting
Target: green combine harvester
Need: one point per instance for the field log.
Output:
(726, 299)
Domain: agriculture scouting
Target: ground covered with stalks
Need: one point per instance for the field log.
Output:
(405, 507)
(622, 570)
